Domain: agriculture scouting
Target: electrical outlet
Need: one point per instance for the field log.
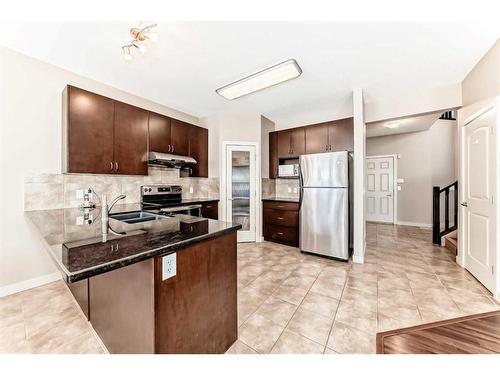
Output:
(191, 190)
(294, 190)
(169, 266)
(289, 189)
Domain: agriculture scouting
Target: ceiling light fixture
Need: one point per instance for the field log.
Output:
(392, 125)
(263, 79)
(139, 37)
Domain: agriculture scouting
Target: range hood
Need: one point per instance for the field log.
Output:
(160, 159)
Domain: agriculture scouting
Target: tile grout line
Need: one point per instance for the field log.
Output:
(335, 315)
(295, 312)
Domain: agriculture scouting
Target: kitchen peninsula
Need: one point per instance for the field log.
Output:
(166, 285)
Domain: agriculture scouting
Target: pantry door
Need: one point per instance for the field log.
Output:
(241, 189)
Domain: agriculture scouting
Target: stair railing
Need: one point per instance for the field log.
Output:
(437, 233)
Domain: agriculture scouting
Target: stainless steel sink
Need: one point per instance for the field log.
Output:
(135, 217)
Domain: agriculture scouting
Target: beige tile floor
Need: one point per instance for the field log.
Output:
(289, 302)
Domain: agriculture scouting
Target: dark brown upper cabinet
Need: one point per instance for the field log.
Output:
(131, 140)
(329, 136)
(316, 138)
(159, 133)
(341, 135)
(105, 136)
(198, 149)
(273, 155)
(291, 143)
(89, 132)
(179, 137)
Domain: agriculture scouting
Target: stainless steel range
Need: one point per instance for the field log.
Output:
(166, 200)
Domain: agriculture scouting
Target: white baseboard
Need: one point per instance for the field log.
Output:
(259, 239)
(413, 224)
(358, 259)
(29, 284)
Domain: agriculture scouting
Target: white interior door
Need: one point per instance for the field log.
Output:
(380, 189)
(241, 190)
(478, 208)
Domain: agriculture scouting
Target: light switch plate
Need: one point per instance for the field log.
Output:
(400, 180)
(191, 190)
(169, 266)
(399, 188)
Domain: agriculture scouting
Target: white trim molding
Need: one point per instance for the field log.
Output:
(414, 224)
(29, 284)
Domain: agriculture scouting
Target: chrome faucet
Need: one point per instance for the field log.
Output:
(105, 210)
(113, 202)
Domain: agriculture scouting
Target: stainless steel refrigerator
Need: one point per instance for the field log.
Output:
(324, 204)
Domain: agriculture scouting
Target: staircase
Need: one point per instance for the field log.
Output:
(445, 219)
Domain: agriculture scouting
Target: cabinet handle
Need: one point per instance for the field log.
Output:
(116, 166)
(279, 233)
(173, 148)
(326, 148)
(111, 165)
(330, 147)
(168, 149)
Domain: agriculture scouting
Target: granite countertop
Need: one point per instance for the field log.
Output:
(278, 199)
(82, 251)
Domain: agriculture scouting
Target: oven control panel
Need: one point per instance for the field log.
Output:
(161, 189)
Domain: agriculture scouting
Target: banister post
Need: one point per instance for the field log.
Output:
(436, 226)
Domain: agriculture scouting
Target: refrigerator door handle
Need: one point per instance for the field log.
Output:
(301, 185)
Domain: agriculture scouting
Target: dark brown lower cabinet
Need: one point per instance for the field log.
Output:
(281, 222)
(134, 311)
(210, 210)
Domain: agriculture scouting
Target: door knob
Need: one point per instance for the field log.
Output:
(465, 204)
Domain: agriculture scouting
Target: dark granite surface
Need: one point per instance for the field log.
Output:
(82, 251)
(278, 199)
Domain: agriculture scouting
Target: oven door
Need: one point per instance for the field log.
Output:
(191, 210)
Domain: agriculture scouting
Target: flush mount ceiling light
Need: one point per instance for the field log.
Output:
(392, 125)
(139, 38)
(263, 79)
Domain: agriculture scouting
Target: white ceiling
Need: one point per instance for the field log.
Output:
(407, 125)
(192, 59)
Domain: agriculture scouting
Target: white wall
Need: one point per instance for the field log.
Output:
(30, 142)
(359, 207)
(483, 81)
(267, 126)
(427, 160)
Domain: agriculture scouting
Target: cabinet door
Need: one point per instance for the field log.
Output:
(298, 141)
(131, 140)
(284, 149)
(179, 137)
(198, 149)
(210, 210)
(341, 135)
(273, 155)
(89, 132)
(316, 138)
(159, 133)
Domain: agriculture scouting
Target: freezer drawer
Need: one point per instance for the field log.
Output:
(324, 222)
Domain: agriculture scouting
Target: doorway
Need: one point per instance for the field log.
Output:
(478, 190)
(240, 188)
(380, 192)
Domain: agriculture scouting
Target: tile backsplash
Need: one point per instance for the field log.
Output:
(51, 191)
(287, 188)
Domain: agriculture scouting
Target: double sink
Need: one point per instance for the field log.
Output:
(135, 217)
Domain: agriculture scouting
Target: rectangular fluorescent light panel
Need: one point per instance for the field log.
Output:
(265, 78)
